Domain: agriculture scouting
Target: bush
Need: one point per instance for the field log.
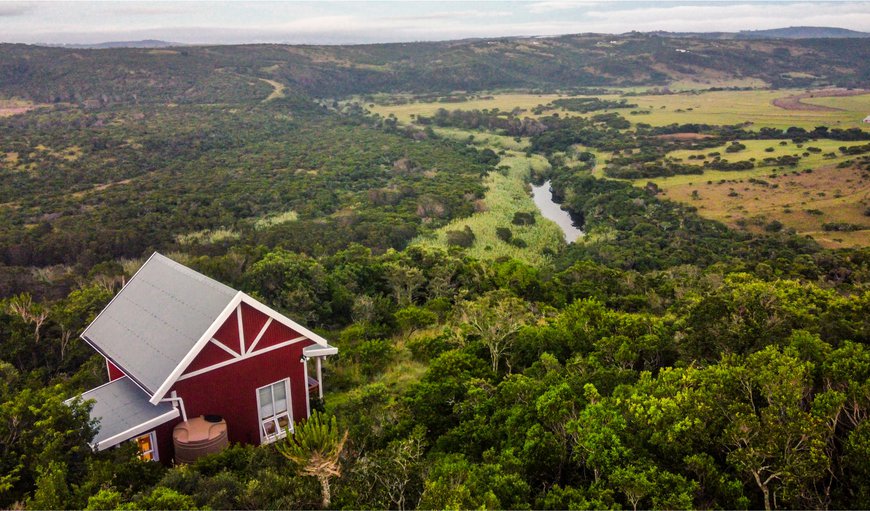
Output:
(413, 318)
(464, 238)
(841, 227)
(372, 356)
(426, 347)
(521, 218)
(774, 226)
(504, 234)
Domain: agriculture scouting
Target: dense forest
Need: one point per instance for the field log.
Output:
(663, 361)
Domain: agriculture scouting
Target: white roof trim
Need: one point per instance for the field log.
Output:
(246, 356)
(284, 320)
(237, 300)
(200, 344)
(136, 430)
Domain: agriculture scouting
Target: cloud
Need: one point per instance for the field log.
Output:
(151, 9)
(448, 15)
(731, 17)
(558, 5)
(11, 9)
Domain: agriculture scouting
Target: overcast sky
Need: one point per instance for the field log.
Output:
(326, 22)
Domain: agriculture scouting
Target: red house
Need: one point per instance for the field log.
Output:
(179, 345)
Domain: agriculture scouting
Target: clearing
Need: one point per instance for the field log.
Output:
(10, 107)
(799, 200)
(278, 89)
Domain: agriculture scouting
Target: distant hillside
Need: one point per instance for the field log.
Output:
(193, 74)
(801, 33)
(146, 43)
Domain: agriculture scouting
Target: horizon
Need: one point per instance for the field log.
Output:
(333, 22)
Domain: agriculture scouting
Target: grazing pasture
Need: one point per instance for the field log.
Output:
(504, 102)
(688, 107)
(804, 201)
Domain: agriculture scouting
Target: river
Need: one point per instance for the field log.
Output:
(543, 198)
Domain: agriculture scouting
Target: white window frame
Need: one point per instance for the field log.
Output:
(280, 433)
(155, 456)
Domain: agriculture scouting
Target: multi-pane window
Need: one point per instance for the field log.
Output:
(274, 405)
(147, 446)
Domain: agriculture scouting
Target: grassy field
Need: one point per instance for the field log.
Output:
(717, 107)
(755, 149)
(485, 139)
(851, 103)
(735, 107)
(782, 194)
(504, 102)
(801, 201)
(506, 195)
(15, 106)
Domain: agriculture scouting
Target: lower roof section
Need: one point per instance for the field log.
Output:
(123, 412)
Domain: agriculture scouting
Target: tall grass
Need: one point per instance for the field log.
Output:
(280, 218)
(507, 194)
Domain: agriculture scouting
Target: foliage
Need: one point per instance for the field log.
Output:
(315, 447)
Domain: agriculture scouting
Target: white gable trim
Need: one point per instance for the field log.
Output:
(231, 307)
(241, 330)
(223, 347)
(239, 359)
(200, 344)
(284, 320)
(260, 335)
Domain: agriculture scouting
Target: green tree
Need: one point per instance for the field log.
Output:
(496, 318)
(315, 447)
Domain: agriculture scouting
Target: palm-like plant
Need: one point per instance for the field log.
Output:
(315, 447)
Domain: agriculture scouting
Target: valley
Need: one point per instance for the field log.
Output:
(703, 344)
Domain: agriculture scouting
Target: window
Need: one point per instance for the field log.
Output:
(147, 444)
(273, 401)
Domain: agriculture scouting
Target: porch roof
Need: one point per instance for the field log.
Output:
(124, 412)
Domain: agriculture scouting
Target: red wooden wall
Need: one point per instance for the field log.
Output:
(231, 391)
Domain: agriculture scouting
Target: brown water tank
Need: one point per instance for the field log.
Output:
(199, 436)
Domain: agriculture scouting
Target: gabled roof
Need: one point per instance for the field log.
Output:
(156, 319)
(123, 411)
(166, 314)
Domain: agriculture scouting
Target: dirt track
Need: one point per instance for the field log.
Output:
(794, 102)
(5, 112)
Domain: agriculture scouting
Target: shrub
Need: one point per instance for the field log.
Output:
(521, 218)
(413, 318)
(426, 347)
(464, 238)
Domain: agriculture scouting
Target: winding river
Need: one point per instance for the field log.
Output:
(543, 198)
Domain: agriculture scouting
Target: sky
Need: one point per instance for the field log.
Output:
(329, 22)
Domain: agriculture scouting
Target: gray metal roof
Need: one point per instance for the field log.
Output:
(156, 319)
(124, 412)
